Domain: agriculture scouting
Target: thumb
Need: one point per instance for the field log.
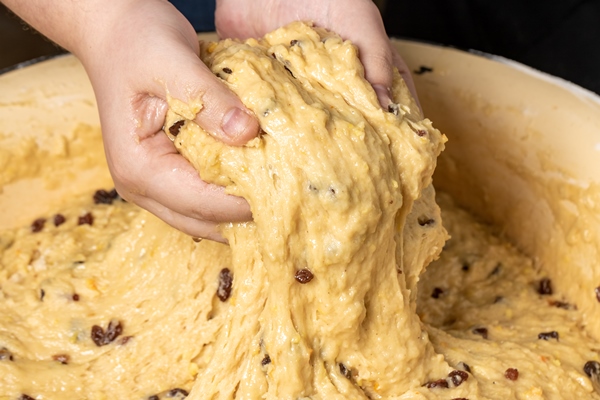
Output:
(211, 104)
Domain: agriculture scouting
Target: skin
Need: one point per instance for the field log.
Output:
(138, 51)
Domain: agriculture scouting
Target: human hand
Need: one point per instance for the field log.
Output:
(133, 64)
(356, 20)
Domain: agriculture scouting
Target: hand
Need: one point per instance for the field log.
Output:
(134, 63)
(356, 20)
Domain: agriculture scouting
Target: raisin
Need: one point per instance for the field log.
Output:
(225, 284)
(61, 358)
(176, 392)
(511, 374)
(42, 294)
(437, 292)
(440, 383)
(227, 70)
(592, 368)
(303, 276)
(548, 335)
(483, 332)
(87, 218)
(38, 225)
(75, 297)
(102, 338)
(59, 219)
(26, 397)
(561, 304)
(458, 377)
(153, 397)
(345, 371)
(5, 354)
(466, 267)
(293, 42)
(498, 299)
(125, 339)
(421, 132)
(104, 197)
(425, 221)
(266, 360)
(597, 292)
(176, 127)
(422, 69)
(464, 366)
(114, 329)
(393, 108)
(545, 286)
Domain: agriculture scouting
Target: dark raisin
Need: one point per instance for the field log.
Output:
(103, 197)
(561, 304)
(597, 291)
(422, 69)
(511, 374)
(42, 294)
(293, 42)
(425, 221)
(466, 267)
(483, 332)
(458, 377)
(75, 297)
(225, 284)
(5, 354)
(393, 108)
(545, 287)
(440, 383)
(345, 371)
(437, 292)
(592, 368)
(38, 225)
(114, 330)
(87, 218)
(227, 70)
(125, 339)
(26, 397)
(303, 276)
(548, 335)
(153, 397)
(464, 366)
(421, 132)
(266, 360)
(102, 338)
(177, 392)
(59, 219)
(176, 127)
(61, 358)
(498, 299)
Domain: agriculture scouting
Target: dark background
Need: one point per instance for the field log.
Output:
(561, 37)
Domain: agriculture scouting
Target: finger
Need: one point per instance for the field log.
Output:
(191, 226)
(222, 113)
(405, 72)
(153, 169)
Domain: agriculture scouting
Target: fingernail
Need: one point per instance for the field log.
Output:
(236, 122)
(383, 94)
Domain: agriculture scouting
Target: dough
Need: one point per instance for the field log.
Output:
(322, 296)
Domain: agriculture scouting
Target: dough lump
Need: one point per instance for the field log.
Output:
(330, 182)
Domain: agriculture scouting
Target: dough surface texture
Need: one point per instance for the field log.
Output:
(324, 295)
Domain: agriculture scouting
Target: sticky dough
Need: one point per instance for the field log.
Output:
(317, 297)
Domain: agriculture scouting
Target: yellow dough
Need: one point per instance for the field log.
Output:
(322, 296)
